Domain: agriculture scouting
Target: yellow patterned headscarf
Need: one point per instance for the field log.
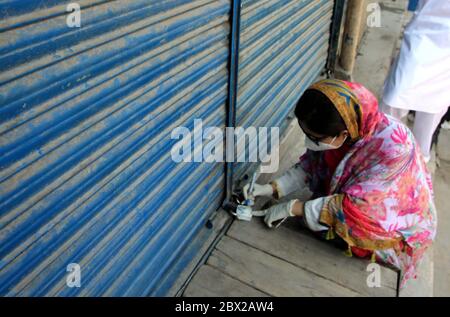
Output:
(345, 102)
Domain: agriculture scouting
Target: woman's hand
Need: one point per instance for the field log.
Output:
(276, 214)
(258, 190)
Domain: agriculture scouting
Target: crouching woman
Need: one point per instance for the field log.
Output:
(368, 180)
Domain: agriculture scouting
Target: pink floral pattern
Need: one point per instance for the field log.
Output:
(386, 186)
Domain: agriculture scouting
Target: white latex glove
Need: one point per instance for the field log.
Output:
(279, 212)
(258, 190)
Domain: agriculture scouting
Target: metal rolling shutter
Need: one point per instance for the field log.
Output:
(86, 115)
(283, 49)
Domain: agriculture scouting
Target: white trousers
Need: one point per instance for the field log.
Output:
(424, 125)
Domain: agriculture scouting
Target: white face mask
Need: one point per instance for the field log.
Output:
(311, 145)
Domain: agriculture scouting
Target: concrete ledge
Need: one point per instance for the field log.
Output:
(443, 145)
(422, 286)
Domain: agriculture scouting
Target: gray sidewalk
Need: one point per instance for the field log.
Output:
(252, 260)
(442, 243)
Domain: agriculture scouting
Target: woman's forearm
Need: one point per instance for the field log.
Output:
(297, 208)
(293, 179)
(311, 213)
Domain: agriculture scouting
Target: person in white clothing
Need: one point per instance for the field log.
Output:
(419, 78)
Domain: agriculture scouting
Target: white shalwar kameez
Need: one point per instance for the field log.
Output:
(420, 77)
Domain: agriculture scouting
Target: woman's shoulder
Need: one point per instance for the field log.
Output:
(397, 138)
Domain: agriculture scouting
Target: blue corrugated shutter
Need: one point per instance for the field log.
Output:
(86, 114)
(283, 49)
(85, 121)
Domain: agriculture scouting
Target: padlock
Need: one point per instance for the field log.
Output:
(244, 212)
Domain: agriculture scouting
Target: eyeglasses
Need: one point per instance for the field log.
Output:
(315, 139)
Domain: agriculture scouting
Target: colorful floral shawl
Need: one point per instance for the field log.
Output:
(382, 197)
